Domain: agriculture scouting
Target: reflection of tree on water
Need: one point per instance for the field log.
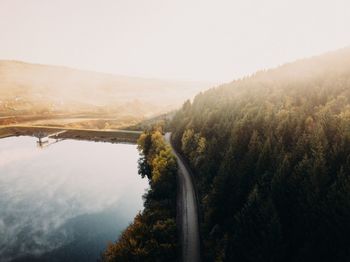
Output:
(44, 138)
(40, 143)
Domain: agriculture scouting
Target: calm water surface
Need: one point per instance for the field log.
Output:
(66, 201)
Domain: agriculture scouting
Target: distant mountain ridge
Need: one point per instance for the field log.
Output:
(25, 87)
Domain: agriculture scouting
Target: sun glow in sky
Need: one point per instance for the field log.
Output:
(183, 39)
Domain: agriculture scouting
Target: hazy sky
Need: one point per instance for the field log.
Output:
(186, 39)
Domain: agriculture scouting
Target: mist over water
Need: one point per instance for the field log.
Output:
(64, 202)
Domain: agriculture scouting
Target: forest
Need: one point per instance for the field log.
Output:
(271, 159)
(153, 234)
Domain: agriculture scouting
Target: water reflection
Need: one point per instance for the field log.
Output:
(66, 202)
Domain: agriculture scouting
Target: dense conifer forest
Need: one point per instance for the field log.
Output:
(271, 158)
(153, 234)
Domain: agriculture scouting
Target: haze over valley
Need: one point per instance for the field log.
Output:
(174, 131)
(61, 96)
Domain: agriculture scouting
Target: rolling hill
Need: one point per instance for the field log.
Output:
(44, 91)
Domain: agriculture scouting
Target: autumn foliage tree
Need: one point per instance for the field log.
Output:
(153, 234)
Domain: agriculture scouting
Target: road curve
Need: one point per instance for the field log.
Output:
(187, 211)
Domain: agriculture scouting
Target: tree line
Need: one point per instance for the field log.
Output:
(153, 234)
(271, 158)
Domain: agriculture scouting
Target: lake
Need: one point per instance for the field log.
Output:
(65, 201)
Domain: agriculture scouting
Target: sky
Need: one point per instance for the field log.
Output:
(217, 40)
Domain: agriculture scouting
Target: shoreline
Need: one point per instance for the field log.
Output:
(96, 135)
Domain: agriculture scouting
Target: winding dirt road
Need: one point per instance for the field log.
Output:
(187, 211)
